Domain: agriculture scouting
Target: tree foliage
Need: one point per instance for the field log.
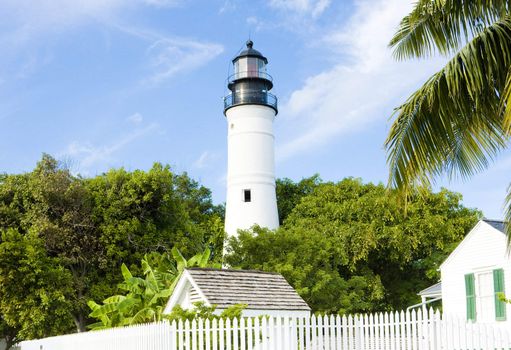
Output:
(73, 234)
(459, 120)
(289, 193)
(200, 310)
(8, 333)
(350, 246)
(35, 290)
(145, 298)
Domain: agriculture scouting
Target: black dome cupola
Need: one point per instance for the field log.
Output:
(250, 84)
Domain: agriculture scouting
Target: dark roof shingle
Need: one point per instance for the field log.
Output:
(258, 289)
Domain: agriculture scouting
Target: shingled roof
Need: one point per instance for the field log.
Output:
(496, 224)
(434, 290)
(260, 290)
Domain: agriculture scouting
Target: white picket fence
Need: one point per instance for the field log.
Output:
(388, 331)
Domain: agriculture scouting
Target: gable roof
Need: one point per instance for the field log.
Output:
(496, 224)
(224, 287)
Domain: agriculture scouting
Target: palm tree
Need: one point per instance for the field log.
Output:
(460, 119)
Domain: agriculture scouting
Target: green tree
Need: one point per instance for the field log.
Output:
(459, 120)
(35, 290)
(350, 247)
(289, 193)
(7, 333)
(89, 227)
(139, 212)
(51, 205)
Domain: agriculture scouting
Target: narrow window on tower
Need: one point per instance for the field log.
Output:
(247, 196)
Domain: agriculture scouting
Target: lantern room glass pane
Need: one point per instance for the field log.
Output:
(240, 68)
(252, 67)
(261, 66)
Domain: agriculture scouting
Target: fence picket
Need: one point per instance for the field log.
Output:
(250, 340)
(331, 321)
(381, 331)
(214, 326)
(301, 336)
(392, 331)
(193, 335)
(221, 334)
(207, 335)
(420, 330)
(267, 333)
(308, 332)
(386, 330)
(181, 335)
(339, 338)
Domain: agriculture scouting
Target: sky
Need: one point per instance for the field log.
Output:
(126, 83)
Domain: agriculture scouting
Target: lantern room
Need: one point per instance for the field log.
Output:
(250, 63)
(250, 83)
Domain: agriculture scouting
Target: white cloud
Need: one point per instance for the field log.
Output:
(302, 7)
(88, 154)
(228, 6)
(165, 3)
(169, 56)
(31, 19)
(360, 90)
(135, 118)
(205, 159)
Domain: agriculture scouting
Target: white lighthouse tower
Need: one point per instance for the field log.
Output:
(250, 110)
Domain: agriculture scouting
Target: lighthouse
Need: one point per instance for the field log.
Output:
(250, 110)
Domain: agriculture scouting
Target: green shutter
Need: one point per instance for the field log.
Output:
(470, 291)
(498, 287)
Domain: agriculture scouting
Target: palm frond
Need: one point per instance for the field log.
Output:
(453, 123)
(507, 217)
(506, 104)
(444, 25)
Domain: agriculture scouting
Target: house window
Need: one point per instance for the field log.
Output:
(482, 296)
(247, 196)
(485, 297)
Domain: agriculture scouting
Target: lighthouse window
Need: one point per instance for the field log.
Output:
(247, 196)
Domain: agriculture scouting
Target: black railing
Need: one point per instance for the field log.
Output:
(253, 97)
(251, 74)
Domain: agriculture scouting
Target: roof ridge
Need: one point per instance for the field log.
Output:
(232, 270)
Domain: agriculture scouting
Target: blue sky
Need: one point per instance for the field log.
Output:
(111, 83)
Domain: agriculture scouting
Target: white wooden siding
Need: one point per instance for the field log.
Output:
(194, 295)
(483, 250)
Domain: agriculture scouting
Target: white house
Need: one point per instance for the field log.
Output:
(265, 293)
(475, 273)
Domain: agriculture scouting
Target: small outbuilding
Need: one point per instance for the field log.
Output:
(265, 293)
(474, 276)
(431, 294)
